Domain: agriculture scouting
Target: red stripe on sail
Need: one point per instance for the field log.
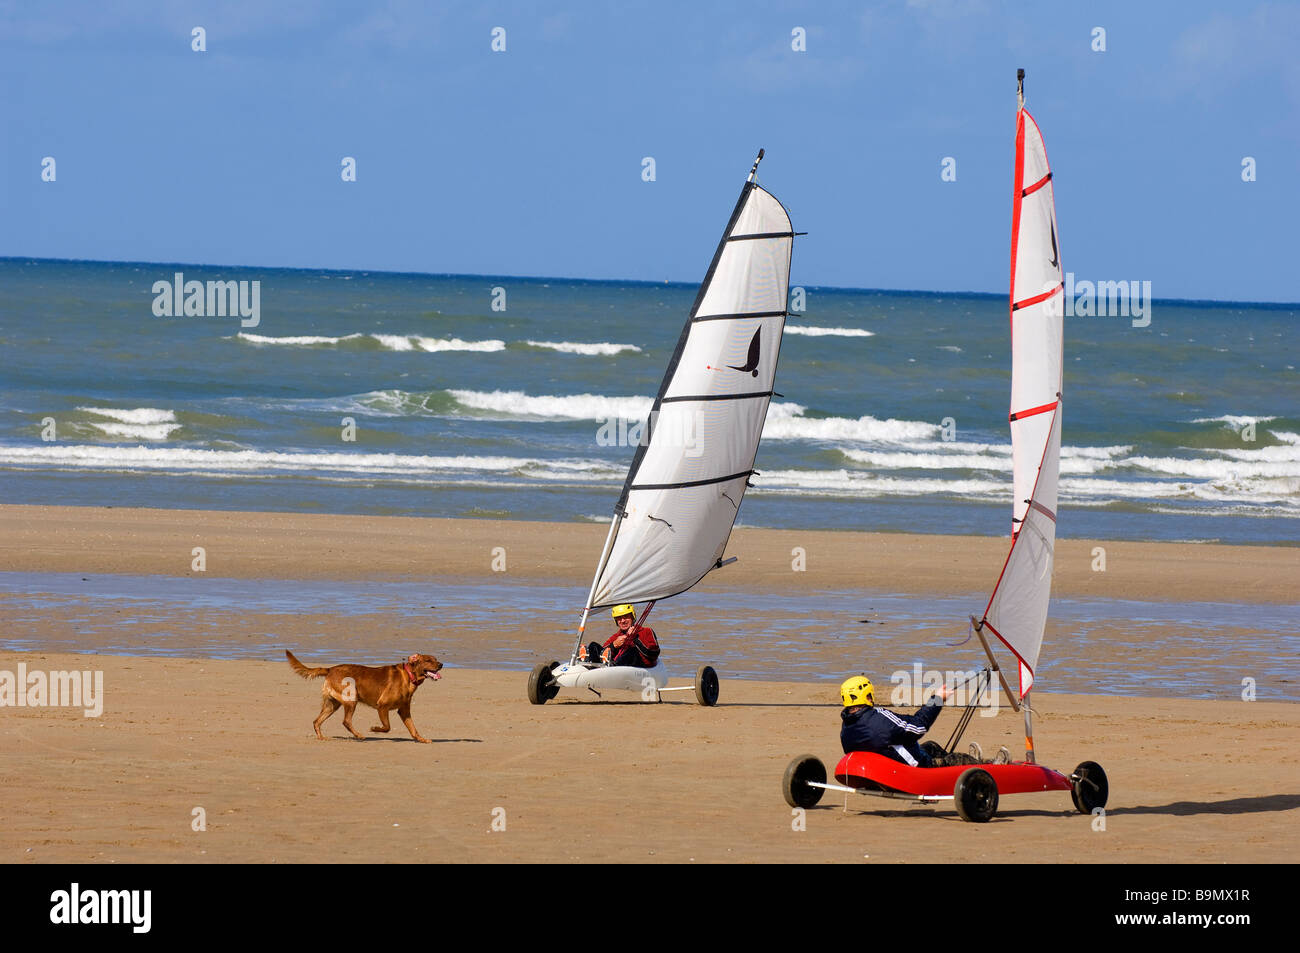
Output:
(1015, 208)
(1016, 306)
(1022, 414)
(1021, 662)
(1037, 185)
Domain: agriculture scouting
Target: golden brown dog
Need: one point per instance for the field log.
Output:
(383, 688)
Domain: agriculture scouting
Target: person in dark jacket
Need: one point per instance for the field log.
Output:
(865, 727)
(629, 645)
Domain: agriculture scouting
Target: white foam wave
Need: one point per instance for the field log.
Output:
(1216, 469)
(245, 461)
(138, 423)
(1235, 421)
(1289, 450)
(516, 403)
(858, 483)
(393, 342)
(302, 340)
(573, 347)
(864, 429)
(401, 342)
(816, 332)
(138, 415)
(137, 431)
(902, 460)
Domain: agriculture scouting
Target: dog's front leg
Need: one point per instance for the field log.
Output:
(405, 712)
(383, 720)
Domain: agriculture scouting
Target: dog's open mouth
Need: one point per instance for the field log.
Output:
(435, 675)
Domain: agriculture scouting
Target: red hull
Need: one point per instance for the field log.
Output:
(876, 772)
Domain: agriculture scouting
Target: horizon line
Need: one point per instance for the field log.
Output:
(1279, 305)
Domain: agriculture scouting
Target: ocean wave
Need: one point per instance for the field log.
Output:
(302, 340)
(515, 403)
(858, 483)
(391, 342)
(999, 462)
(246, 461)
(1233, 421)
(572, 347)
(137, 415)
(1288, 450)
(816, 332)
(1218, 470)
(137, 431)
(863, 429)
(139, 423)
(400, 342)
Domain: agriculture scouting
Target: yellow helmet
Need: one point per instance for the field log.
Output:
(857, 690)
(626, 609)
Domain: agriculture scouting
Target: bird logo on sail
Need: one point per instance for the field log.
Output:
(751, 362)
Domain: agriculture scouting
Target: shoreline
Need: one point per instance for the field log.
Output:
(252, 545)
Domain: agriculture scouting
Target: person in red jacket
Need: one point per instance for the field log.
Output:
(629, 645)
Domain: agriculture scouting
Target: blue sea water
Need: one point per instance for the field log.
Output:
(465, 396)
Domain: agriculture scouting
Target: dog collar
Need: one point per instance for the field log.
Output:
(410, 674)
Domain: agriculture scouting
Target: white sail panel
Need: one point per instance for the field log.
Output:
(1017, 611)
(1018, 605)
(1037, 314)
(686, 483)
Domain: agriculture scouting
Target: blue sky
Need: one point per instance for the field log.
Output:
(529, 161)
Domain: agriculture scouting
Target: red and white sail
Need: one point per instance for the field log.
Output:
(1017, 609)
(686, 482)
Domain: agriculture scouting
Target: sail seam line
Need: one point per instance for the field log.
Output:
(690, 483)
(757, 235)
(762, 393)
(746, 314)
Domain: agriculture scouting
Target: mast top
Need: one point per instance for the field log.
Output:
(1020, 88)
(754, 170)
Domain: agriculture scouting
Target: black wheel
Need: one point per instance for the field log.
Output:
(976, 794)
(706, 686)
(1089, 787)
(541, 688)
(798, 773)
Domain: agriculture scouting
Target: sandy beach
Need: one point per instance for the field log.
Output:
(190, 738)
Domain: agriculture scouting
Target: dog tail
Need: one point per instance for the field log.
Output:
(303, 670)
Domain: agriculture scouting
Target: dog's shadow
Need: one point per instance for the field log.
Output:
(436, 741)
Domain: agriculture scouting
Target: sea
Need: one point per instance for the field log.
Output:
(523, 398)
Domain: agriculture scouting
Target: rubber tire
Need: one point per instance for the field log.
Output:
(1086, 798)
(976, 795)
(706, 686)
(802, 769)
(540, 687)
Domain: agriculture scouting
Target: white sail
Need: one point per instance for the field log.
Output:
(1017, 609)
(688, 478)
